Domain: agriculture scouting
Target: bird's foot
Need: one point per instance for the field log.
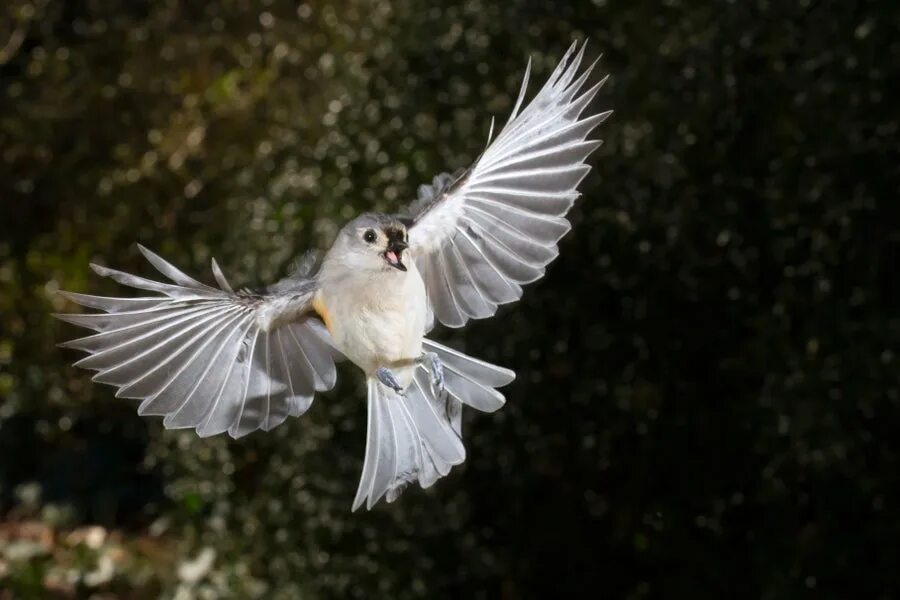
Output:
(387, 377)
(437, 371)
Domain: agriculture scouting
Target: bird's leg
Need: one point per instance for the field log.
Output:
(436, 369)
(387, 377)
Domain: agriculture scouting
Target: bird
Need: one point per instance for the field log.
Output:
(217, 360)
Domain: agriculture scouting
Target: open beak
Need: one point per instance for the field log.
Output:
(394, 254)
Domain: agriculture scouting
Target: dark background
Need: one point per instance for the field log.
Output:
(708, 395)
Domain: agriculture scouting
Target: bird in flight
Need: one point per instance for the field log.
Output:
(217, 359)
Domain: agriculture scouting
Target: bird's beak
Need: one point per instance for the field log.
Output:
(394, 254)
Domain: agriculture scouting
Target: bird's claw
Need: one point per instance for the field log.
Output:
(436, 368)
(387, 377)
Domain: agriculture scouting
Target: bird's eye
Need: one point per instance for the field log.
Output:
(369, 236)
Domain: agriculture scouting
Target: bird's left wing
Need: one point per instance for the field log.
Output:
(211, 359)
(477, 237)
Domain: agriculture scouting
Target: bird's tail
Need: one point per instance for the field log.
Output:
(417, 436)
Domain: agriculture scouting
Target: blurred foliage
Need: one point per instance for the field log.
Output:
(40, 561)
(708, 396)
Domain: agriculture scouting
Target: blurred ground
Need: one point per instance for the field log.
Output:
(707, 401)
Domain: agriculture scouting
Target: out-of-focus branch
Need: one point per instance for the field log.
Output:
(15, 42)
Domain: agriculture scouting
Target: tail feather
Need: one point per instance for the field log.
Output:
(470, 367)
(417, 436)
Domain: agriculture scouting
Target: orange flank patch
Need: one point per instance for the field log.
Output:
(319, 306)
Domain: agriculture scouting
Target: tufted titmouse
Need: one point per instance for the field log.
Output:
(216, 359)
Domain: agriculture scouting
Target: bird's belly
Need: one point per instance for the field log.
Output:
(380, 325)
(380, 338)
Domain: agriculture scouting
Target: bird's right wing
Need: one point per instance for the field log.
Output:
(211, 359)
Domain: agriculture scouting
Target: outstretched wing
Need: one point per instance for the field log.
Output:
(211, 359)
(478, 237)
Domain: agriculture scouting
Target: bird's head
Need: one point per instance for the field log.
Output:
(374, 242)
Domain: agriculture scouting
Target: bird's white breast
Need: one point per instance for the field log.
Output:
(376, 319)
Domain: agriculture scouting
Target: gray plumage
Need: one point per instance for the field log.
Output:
(215, 359)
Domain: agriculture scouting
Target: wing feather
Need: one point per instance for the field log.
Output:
(476, 305)
(498, 287)
(477, 237)
(200, 379)
(111, 304)
(166, 348)
(441, 293)
(513, 267)
(220, 414)
(173, 273)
